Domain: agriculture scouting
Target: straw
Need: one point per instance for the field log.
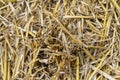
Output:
(59, 39)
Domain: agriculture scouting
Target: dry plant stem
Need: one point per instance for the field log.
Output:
(81, 59)
(79, 17)
(92, 27)
(9, 72)
(35, 53)
(3, 7)
(68, 53)
(88, 53)
(17, 65)
(9, 45)
(5, 62)
(108, 24)
(10, 0)
(2, 2)
(99, 65)
(2, 66)
(27, 25)
(56, 7)
(116, 5)
(99, 77)
(104, 24)
(55, 77)
(77, 69)
(103, 73)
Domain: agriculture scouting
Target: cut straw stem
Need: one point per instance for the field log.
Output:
(5, 62)
(97, 68)
(78, 17)
(92, 26)
(116, 5)
(77, 69)
(58, 71)
(103, 73)
(88, 53)
(28, 25)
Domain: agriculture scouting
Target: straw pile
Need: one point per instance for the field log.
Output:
(59, 40)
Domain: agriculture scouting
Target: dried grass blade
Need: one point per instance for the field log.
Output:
(77, 69)
(76, 17)
(104, 24)
(12, 8)
(55, 77)
(28, 25)
(102, 60)
(5, 62)
(92, 26)
(56, 7)
(79, 17)
(116, 5)
(2, 1)
(35, 54)
(68, 53)
(108, 24)
(88, 53)
(103, 73)
(9, 71)
(9, 45)
(10, 0)
(99, 47)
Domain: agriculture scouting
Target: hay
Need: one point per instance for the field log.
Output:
(59, 39)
